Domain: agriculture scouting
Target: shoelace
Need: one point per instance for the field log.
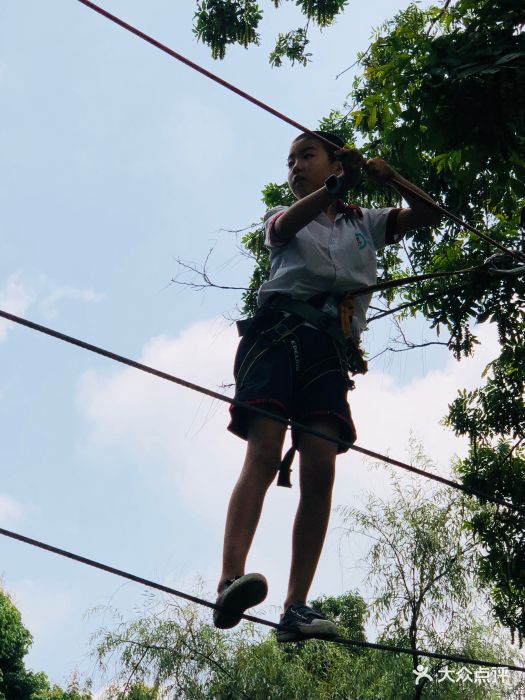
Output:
(306, 612)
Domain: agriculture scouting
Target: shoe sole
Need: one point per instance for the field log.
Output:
(242, 594)
(320, 629)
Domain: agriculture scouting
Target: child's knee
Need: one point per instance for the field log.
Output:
(266, 457)
(262, 462)
(317, 475)
(265, 442)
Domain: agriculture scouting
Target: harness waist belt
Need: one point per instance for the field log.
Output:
(349, 355)
(309, 313)
(324, 322)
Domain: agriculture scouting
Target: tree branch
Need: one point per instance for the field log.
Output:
(438, 17)
(202, 272)
(412, 346)
(240, 230)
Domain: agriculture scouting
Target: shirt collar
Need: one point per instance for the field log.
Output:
(348, 209)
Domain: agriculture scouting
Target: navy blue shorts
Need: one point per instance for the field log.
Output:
(300, 377)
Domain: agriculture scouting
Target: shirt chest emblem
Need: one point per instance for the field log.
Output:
(362, 240)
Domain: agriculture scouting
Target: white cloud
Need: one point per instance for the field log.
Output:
(18, 295)
(156, 421)
(11, 510)
(15, 298)
(44, 612)
(385, 410)
(182, 429)
(57, 293)
(182, 434)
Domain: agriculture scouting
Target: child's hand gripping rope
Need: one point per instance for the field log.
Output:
(354, 164)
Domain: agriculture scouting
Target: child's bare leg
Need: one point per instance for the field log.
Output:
(317, 470)
(263, 456)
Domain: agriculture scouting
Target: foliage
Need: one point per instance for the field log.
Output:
(424, 69)
(292, 45)
(420, 567)
(502, 565)
(171, 650)
(74, 691)
(219, 23)
(179, 653)
(139, 691)
(16, 682)
(222, 22)
(321, 11)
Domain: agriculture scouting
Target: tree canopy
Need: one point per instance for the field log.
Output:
(443, 92)
(219, 23)
(419, 568)
(16, 681)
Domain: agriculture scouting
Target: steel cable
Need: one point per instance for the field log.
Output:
(256, 410)
(250, 618)
(280, 115)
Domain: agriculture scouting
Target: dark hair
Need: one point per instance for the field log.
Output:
(329, 136)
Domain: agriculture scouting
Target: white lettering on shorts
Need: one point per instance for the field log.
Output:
(295, 350)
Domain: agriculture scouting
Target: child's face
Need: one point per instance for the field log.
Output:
(308, 166)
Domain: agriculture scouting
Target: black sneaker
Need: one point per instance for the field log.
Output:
(301, 622)
(237, 595)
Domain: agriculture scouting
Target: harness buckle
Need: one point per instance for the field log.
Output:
(281, 329)
(323, 321)
(346, 309)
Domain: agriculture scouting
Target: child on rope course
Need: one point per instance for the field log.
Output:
(292, 361)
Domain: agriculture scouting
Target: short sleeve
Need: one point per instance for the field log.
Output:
(381, 225)
(269, 220)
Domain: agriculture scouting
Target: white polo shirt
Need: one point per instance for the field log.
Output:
(325, 256)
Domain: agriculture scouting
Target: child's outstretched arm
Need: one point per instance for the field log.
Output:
(418, 214)
(301, 213)
(304, 210)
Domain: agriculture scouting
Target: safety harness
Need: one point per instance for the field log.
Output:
(294, 314)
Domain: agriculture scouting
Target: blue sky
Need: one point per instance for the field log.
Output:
(116, 161)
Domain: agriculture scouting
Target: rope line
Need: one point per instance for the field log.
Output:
(490, 270)
(251, 618)
(280, 115)
(174, 54)
(457, 220)
(421, 300)
(256, 410)
(392, 284)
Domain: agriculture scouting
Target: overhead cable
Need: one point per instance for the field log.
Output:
(280, 115)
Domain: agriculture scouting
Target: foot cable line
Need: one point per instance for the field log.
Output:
(256, 410)
(174, 54)
(343, 641)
